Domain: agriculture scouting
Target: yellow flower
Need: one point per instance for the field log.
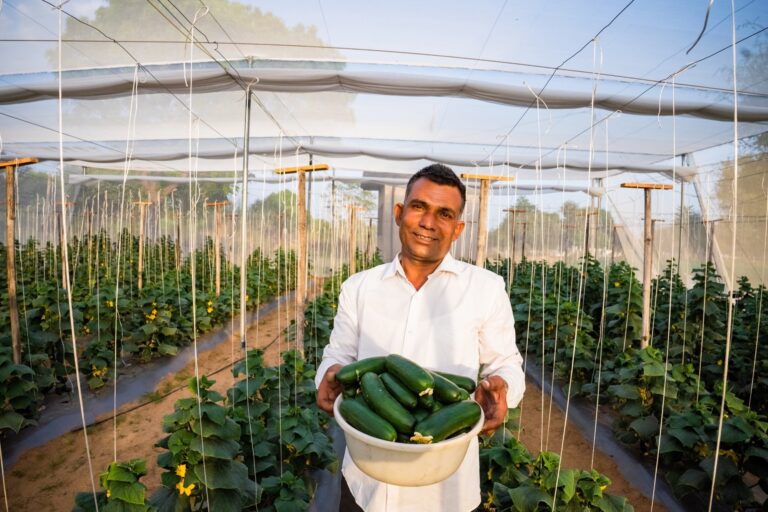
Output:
(246, 297)
(181, 470)
(210, 309)
(603, 487)
(617, 284)
(109, 493)
(110, 304)
(210, 303)
(185, 490)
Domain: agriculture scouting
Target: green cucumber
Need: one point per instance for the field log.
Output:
(427, 402)
(384, 404)
(357, 414)
(420, 413)
(448, 392)
(350, 391)
(460, 380)
(352, 373)
(446, 422)
(403, 395)
(416, 378)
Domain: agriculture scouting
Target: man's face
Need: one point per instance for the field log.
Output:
(429, 221)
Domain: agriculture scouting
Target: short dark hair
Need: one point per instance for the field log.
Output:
(442, 175)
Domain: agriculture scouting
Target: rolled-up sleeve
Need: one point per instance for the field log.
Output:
(498, 351)
(342, 348)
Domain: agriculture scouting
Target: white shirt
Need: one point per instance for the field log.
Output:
(459, 321)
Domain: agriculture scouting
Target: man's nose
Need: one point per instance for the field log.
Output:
(427, 220)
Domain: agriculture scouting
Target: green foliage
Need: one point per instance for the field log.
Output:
(19, 397)
(514, 480)
(203, 462)
(669, 389)
(122, 490)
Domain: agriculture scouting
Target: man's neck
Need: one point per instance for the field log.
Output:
(417, 272)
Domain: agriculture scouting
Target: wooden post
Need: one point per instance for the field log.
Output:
(352, 238)
(514, 212)
(647, 256)
(301, 256)
(142, 217)
(10, 168)
(680, 228)
(711, 245)
(525, 228)
(482, 221)
(217, 239)
(60, 227)
(586, 236)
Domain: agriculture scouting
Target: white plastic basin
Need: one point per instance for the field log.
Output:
(408, 465)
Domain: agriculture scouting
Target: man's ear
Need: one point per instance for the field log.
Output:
(398, 212)
(458, 230)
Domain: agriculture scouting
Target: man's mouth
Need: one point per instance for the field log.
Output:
(424, 238)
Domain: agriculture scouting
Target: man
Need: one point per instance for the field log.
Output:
(443, 314)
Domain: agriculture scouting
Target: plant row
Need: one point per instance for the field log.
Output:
(585, 323)
(114, 319)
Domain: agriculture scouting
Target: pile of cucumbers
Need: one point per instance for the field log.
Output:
(395, 399)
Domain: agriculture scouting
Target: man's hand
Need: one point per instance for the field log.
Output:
(329, 389)
(491, 394)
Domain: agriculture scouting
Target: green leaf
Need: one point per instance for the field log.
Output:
(694, 478)
(117, 473)
(647, 426)
(654, 369)
(11, 420)
(610, 503)
(225, 500)
(167, 349)
(223, 474)
(527, 498)
(626, 391)
(169, 331)
(686, 437)
(213, 447)
(128, 492)
(568, 483)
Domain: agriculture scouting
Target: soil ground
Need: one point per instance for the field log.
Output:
(48, 477)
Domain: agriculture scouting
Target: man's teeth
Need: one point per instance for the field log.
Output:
(422, 237)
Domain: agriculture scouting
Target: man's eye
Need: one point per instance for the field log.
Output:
(417, 206)
(446, 215)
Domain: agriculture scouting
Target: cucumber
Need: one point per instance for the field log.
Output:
(385, 405)
(447, 421)
(401, 393)
(357, 414)
(416, 378)
(350, 391)
(460, 380)
(448, 392)
(352, 373)
(420, 413)
(427, 402)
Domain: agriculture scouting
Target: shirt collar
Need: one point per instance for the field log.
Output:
(449, 264)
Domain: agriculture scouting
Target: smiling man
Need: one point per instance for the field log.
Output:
(442, 313)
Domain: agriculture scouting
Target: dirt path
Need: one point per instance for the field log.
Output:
(49, 476)
(577, 451)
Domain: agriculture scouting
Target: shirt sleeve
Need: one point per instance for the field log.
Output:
(498, 351)
(342, 347)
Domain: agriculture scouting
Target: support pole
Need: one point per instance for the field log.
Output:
(514, 212)
(142, 218)
(525, 229)
(244, 216)
(301, 256)
(352, 239)
(216, 205)
(647, 256)
(11, 167)
(680, 228)
(482, 221)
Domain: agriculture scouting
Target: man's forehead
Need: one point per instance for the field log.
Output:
(435, 194)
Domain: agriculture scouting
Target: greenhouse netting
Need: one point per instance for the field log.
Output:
(188, 183)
